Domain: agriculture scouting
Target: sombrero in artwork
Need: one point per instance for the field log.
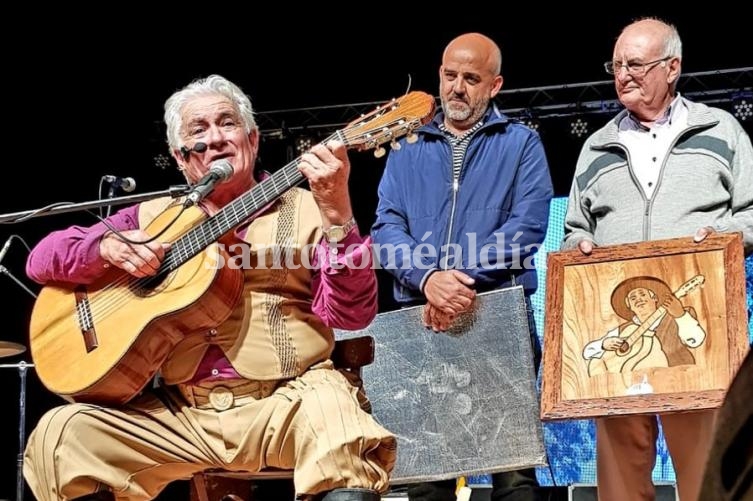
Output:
(659, 287)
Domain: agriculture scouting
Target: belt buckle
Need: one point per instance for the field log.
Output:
(221, 398)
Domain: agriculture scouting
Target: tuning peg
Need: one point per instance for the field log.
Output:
(412, 138)
(395, 145)
(379, 152)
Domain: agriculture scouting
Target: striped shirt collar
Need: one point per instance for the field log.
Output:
(465, 134)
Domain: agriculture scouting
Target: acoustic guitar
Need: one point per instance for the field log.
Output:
(103, 342)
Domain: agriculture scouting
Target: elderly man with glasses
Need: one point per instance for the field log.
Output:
(664, 167)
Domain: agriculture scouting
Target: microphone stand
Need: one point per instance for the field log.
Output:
(59, 208)
(110, 196)
(5, 271)
(21, 366)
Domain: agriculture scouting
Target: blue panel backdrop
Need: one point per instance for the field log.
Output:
(570, 444)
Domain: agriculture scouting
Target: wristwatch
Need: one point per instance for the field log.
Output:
(336, 233)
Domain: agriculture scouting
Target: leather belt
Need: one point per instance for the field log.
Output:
(222, 395)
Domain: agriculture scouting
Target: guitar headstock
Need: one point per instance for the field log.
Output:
(389, 122)
(691, 284)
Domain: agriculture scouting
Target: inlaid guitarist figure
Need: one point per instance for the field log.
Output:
(258, 389)
(658, 331)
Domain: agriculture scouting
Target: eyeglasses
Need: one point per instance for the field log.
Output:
(634, 69)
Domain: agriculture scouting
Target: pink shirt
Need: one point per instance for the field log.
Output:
(344, 298)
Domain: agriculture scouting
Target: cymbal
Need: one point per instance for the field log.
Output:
(8, 349)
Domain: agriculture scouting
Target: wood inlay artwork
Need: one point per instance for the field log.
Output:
(641, 328)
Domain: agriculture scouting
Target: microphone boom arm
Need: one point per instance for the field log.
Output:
(63, 207)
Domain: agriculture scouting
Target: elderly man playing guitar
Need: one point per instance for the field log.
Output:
(243, 351)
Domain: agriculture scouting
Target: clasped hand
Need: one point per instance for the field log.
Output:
(448, 294)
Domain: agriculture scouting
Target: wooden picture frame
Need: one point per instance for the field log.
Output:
(683, 345)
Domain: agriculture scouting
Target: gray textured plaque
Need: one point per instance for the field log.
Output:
(462, 402)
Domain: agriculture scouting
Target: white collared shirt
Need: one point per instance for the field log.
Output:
(648, 147)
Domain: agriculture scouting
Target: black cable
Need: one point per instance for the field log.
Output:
(137, 242)
(33, 214)
(99, 197)
(19, 237)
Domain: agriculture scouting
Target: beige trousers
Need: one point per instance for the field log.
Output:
(626, 453)
(312, 425)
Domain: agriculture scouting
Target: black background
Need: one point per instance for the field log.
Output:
(84, 94)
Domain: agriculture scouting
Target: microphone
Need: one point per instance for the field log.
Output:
(127, 184)
(219, 172)
(5, 248)
(198, 148)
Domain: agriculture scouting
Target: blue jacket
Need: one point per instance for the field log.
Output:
(494, 217)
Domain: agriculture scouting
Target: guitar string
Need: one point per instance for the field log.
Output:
(112, 296)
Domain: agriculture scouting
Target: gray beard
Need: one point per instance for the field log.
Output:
(459, 115)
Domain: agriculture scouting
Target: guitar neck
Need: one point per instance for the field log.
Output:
(637, 333)
(211, 229)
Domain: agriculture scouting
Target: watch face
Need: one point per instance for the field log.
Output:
(335, 234)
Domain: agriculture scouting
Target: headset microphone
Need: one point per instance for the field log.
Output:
(198, 148)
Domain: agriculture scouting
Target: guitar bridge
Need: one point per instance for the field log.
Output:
(85, 319)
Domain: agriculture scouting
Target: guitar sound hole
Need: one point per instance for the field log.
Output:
(151, 286)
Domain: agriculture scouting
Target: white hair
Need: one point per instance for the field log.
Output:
(211, 85)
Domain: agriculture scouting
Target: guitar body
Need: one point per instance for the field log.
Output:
(597, 366)
(132, 329)
(644, 353)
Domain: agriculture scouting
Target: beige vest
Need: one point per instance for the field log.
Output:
(272, 333)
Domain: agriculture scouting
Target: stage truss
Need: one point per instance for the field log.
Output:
(715, 87)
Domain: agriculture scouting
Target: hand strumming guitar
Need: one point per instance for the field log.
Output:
(140, 260)
(612, 343)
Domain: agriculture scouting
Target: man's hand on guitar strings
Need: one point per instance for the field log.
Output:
(140, 260)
